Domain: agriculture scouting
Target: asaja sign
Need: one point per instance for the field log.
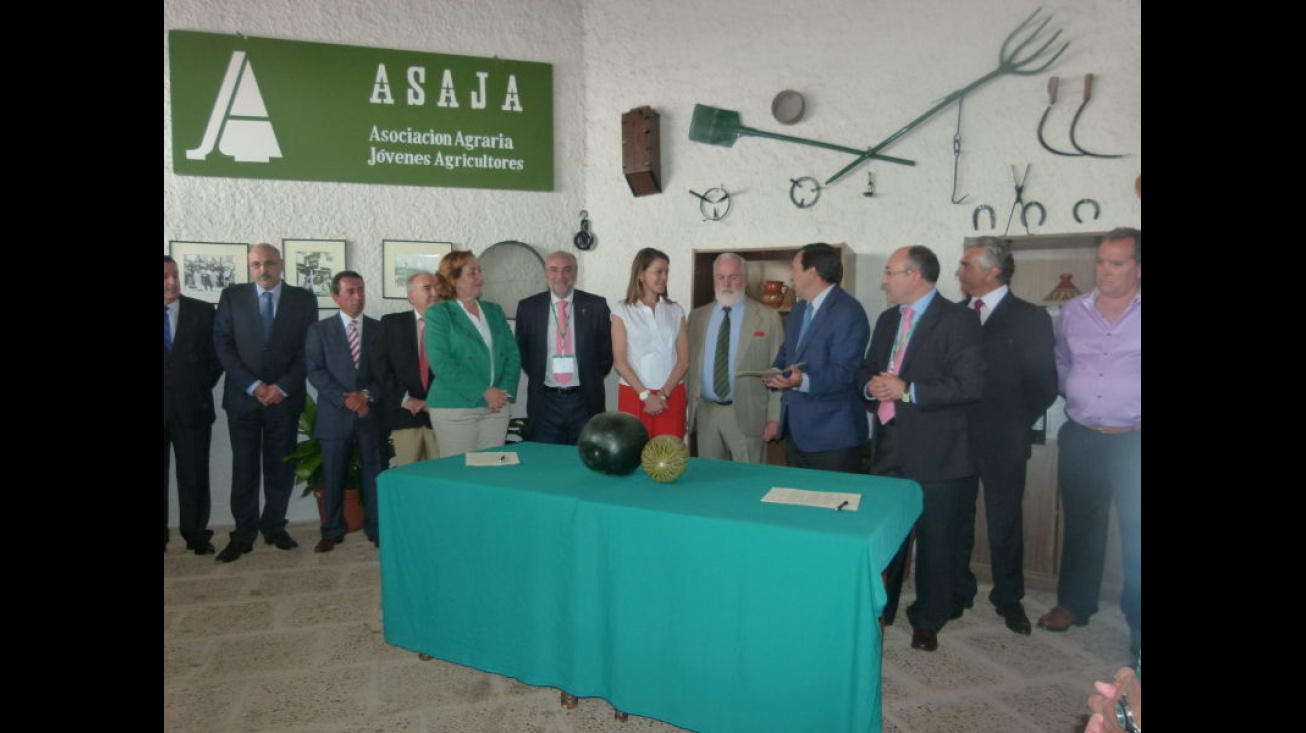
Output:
(271, 108)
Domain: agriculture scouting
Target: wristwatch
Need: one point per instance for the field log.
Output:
(643, 396)
(906, 392)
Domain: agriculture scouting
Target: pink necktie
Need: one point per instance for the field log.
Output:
(564, 340)
(354, 348)
(422, 363)
(887, 408)
(979, 306)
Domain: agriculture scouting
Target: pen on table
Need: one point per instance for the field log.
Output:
(503, 458)
(841, 506)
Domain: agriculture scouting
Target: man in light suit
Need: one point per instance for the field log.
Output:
(339, 350)
(734, 423)
(1020, 384)
(258, 333)
(400, 359)
(563, 390)
(925, 364)
(190, 369)
(820, 410)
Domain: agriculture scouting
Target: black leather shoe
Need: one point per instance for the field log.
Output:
(326, 545)
(1016, 619)
(960, 609)
(282, 540)
(202, 548)
(233, 551)
(924, 639)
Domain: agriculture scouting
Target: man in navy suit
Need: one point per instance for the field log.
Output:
(190, 369)
(821, 410)
(565, 339)
(400, 364)
(1020, 384)
(924, 366)
(338, 351)
(258, 333)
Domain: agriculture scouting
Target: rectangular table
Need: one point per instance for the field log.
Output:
(692, 602)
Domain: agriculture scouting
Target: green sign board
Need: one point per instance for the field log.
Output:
(268, 108)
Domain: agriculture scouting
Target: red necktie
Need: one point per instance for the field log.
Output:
(978, 305)
(422, 363)
(887, 408)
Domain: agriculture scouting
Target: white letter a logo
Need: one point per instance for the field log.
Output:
(239, 123)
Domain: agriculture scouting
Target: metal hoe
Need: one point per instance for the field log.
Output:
(1011, 60)
(716, 126)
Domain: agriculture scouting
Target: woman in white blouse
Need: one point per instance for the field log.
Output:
(650, 348)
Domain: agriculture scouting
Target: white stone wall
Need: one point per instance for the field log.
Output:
(867, 68)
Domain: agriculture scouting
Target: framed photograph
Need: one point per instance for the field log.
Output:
(311, 263)
(206, 268)
(401, 259)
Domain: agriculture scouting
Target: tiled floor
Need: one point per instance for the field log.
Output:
(292, 641)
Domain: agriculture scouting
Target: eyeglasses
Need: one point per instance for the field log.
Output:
(890, 273)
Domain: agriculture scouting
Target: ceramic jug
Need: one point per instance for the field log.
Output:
(773, 293)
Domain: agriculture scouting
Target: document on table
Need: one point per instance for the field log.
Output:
(839, 501)
(493, 458)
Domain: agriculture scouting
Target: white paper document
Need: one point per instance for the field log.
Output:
(836, 500)
(493, 458)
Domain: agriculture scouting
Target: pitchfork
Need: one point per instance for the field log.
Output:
(1010, 61)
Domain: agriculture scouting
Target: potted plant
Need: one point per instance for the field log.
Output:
(309, 471)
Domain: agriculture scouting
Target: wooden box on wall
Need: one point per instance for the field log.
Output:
(641, 150)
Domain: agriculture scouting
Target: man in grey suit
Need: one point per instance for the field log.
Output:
(339, 352)
(734, 417)
(258, 333)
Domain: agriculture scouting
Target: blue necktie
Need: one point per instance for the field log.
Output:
(267, 315)
(167, 330)
(807, 321)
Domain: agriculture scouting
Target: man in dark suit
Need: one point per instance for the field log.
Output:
(820, 411)
(565, 339)
(733, 420)
(339, 352)
(190, 369)
(924, 366)
(400, 363)
(258, 333)
(1020, 384)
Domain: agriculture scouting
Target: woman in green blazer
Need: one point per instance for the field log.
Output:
(474, 358)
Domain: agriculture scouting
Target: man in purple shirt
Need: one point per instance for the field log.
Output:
(1099, 355)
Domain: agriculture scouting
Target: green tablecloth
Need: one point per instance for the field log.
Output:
(692, 602)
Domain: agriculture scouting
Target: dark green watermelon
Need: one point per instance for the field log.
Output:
(611, 442)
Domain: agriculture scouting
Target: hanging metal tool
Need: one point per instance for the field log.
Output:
(1088, 94)
(1010, 61)
(1052, 100)
(716, 126)
(956, 154)
(583, 239)
(1022, 205)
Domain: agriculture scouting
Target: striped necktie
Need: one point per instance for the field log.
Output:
(887, 408)
(721, 361)
(354, 348)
